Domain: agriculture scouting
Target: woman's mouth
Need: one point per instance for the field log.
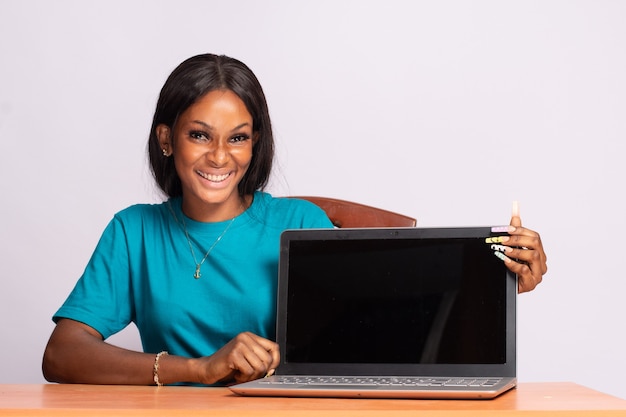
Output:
(213, 178)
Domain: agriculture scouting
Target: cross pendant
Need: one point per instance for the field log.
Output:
(197, 275)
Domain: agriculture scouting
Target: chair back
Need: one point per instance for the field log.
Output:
(346, 214)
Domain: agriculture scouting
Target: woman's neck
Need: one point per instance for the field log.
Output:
(215, 212)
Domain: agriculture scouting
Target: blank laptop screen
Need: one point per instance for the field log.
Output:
(401, 301)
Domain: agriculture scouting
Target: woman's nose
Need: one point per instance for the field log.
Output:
(218, 154)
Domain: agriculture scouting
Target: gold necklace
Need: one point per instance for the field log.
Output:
(197, 273)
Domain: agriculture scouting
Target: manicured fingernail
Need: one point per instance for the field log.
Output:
(502, 256)
(502, 229)
(501, 248)
(515, 209)
(270, 373)
(497, 239)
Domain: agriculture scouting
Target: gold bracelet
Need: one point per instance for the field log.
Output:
(155, 368)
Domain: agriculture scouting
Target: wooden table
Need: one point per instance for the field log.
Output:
(536, 399)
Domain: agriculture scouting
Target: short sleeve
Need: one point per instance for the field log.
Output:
(102, 296)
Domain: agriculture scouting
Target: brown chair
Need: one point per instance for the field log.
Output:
(346, 214)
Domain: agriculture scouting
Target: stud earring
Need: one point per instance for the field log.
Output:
(165, 152)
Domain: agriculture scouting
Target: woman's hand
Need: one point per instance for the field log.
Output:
(524, 254)
(244, 358)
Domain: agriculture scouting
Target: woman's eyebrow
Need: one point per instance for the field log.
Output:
(205, 125)
(209, 127)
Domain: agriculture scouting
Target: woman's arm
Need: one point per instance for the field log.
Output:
(76, 353)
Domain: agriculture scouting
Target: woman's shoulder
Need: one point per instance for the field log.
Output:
(287, 210)
(285, 204)
(142, 212)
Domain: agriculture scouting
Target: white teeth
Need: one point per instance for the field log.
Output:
(214, 178)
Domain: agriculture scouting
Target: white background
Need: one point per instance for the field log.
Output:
(444, 110)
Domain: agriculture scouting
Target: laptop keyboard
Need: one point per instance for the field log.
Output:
(385, 381)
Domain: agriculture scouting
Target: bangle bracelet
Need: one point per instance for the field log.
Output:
(155, 368)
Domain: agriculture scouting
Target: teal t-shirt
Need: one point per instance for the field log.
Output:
(142, 272)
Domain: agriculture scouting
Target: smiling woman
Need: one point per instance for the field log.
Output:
(211, 149)
(212, 142)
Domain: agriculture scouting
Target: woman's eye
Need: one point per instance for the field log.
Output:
(240, 138)
(198, 135)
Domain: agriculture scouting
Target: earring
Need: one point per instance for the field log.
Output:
(165, 152)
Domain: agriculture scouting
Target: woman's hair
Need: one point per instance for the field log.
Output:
(190, 81)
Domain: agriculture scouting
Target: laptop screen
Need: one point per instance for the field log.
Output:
(404, 297)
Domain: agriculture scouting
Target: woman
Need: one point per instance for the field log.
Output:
(197, 273)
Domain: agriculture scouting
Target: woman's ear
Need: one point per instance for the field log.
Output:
(163, 134)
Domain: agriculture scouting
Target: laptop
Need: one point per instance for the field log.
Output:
(393, 313)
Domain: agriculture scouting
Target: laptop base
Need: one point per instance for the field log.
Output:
(376, 387)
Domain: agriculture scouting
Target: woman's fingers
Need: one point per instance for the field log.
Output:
(524, 255)
(246, 357)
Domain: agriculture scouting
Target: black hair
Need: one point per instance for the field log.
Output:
(190, 81)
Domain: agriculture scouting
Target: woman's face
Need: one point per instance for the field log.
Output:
(212, 145)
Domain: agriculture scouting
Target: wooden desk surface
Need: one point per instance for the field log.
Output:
(537, 399)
